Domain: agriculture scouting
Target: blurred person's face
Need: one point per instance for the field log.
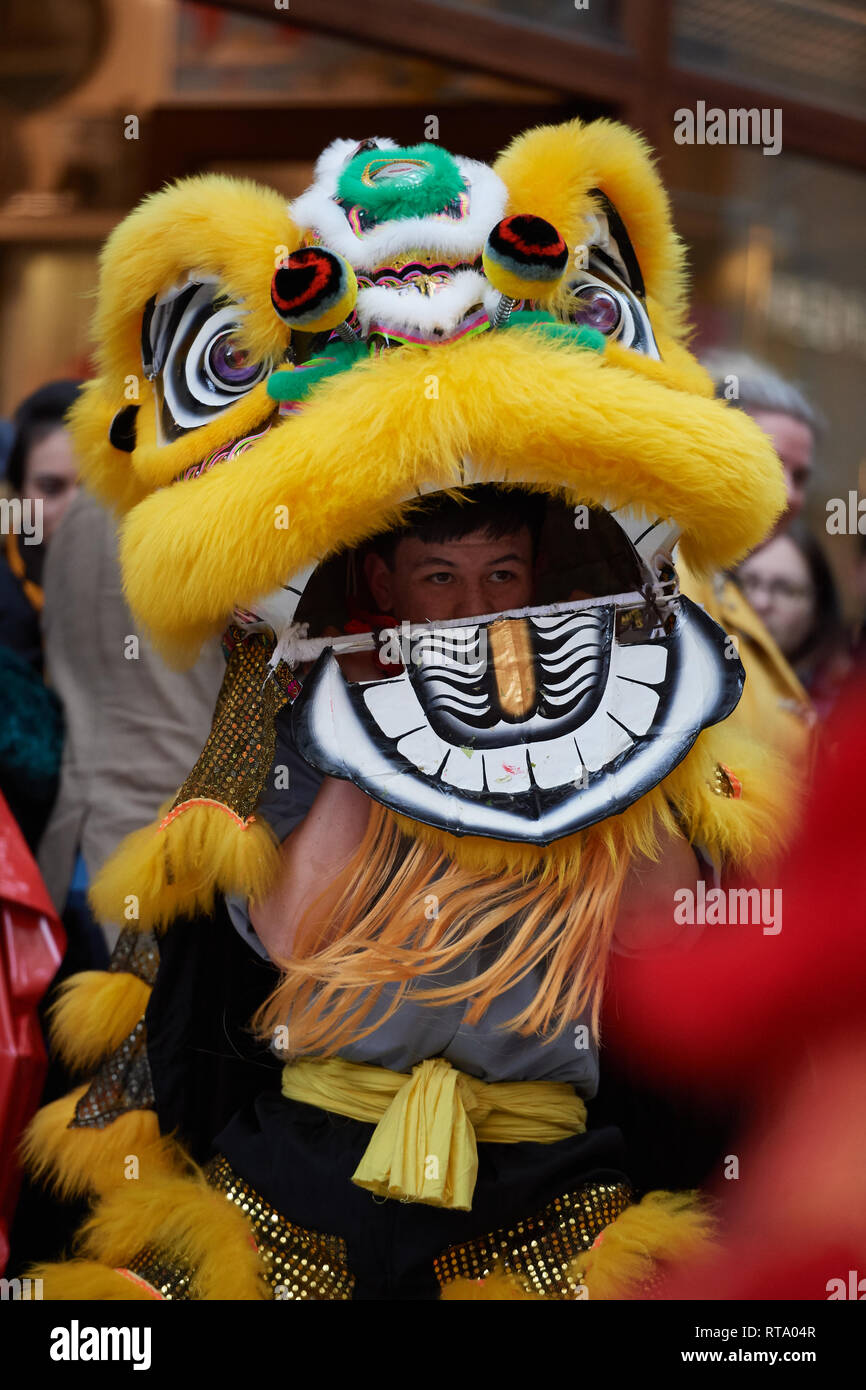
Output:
(794, 443)
(51, 475)
(778, 585)
(453, 579)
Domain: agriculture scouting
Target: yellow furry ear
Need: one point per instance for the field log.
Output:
(550, 171)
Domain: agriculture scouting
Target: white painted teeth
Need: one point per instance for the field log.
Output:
(626, 711)
(600, 740)
(632, 704)
(395, 708)
(425, 749)
(464, 770)
(506, 769)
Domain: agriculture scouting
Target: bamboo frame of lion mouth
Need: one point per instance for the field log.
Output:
(295, 648)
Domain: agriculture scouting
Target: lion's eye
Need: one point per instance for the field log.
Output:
(192, 353)
(600, 309)
(612, 309)
(228, 365)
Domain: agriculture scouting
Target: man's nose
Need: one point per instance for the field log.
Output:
(472, 600)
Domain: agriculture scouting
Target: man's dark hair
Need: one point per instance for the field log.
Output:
(494, 510)
(37, 415)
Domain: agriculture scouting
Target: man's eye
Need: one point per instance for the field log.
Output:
(438, 577)
(503, 576)
(53, 487)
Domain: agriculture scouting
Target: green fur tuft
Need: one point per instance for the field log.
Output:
(401, 198)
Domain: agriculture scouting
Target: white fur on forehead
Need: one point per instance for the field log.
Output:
(332, 159)
(315, 211)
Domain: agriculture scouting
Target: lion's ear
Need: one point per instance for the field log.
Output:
(598, 181)
(223, 230)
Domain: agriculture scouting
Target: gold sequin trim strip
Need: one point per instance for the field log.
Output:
(169, 1279)
(237, 756)
(297, 1263)
(539, 1249)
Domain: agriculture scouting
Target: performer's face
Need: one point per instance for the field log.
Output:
(453, 579)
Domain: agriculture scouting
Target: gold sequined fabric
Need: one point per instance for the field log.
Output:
(297, 1263)
(123, 1082)
(539, 1250)
(136, 953)
(239, 750)
(167, 1278)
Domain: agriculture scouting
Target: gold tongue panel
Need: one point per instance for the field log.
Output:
(513, 665)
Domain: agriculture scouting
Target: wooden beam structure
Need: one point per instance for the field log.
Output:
(479, 40)
(634, 79)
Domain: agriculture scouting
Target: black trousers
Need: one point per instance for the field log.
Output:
(301, 1160)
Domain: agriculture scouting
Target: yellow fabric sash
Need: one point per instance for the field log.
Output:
(423, 1148)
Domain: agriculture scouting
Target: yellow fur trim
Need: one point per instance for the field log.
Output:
(748, 833)
(158, 874)
(665, 1227)
(556, 418)
(187, 1219)
(85, 1279)
(87, 1160)
(634, 832)
(93, 1012)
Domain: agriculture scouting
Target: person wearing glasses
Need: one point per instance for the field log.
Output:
(790, 586)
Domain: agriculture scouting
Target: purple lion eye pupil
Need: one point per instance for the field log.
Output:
(598, 309)
(230, 363)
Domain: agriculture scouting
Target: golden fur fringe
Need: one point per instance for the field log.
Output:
(187, 1219)
(664, 1228)
(156, 875)
(77, 1162)
(93, 1013)
(179, 1215)
(496, 1288)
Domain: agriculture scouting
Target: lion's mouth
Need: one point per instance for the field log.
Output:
(523, 724)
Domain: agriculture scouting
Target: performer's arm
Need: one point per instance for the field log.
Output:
(645, 921)
(310, 859)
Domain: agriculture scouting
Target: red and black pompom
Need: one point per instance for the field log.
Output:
(315, 290)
